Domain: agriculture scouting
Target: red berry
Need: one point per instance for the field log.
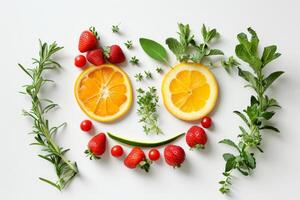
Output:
(116, 54)
(137, 158)
(80, 61)
(96, 57)
(206, 122)
(174, 155)
(116, 151)
(86, 125)
(88, 41)
(196, 137)
(96, 146)
(153, 154)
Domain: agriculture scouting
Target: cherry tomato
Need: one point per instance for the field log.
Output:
(86, 125)
(116, 151)
(154, 154)
(80, 61)
(206, 122)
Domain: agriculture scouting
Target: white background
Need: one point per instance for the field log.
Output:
(24, 22)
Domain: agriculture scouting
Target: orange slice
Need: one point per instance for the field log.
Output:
(104, 92)
(189, 91)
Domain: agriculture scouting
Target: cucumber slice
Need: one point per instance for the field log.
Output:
(141, 143)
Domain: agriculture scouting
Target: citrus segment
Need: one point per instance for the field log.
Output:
(104, 92)
(189, 91)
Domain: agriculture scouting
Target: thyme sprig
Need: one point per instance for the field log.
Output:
(257, 114)
(148, 103)
(43, 133)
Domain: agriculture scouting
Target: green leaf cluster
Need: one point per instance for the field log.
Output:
(148, 103)
(187, 49)
(43, 133)
(260, 110)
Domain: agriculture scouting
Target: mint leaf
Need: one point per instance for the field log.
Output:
(230, 143)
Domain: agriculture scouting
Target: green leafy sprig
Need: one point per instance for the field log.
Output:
(134, 60)
(43, 133)
(128, 44)
(115, 28)
(148, 75)
(148, 103)
(257, 114)
(139, 77)
(186, 48)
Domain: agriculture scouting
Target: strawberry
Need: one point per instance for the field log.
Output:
(115, 54)
(96, 57)
(174, 155)
(88, 40)
(96, 146)
(196, 137)
(137, 158)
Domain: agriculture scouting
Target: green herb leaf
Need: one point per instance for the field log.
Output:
(269, 54)
(271, 78)
(214, 52)
(270, 128)
(230, 143)
(230, 164)
(228, 156)
(154, 50)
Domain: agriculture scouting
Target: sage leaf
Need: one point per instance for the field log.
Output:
(269, 54)
(154, 50)
(271, 78)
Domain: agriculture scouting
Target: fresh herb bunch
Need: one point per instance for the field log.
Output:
(148, 103)
(186, 48)
(257, 114)
(43, 133)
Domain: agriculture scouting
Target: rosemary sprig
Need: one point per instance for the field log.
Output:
(148, 103)
(256, 115)
(43, 133)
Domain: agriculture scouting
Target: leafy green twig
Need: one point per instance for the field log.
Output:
(44, 134)
(148, 103)
(260, 110)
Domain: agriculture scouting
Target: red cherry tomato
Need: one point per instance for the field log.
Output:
(86, 125)
(80, 61)
(206, 122)
(116, 151)
(154, 154)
